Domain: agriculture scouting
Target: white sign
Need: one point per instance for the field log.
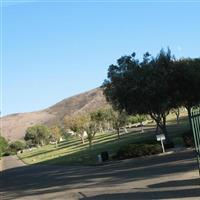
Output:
(160, 137)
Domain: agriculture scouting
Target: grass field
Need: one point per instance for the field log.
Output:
(71, 151)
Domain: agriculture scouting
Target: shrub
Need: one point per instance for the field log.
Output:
(16, 146)
(3, 145)
(137, 150)
(188, 139)
(38, 134)
(7, 153)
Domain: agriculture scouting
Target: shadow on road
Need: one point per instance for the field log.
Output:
(143, 195)
(43, 179)
(180, 183)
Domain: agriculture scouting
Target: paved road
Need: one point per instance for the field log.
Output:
(11, 162)
(171, 176)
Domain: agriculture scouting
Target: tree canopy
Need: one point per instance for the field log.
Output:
(153, 86)
(38, 135)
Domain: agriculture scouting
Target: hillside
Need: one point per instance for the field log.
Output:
(14, 126)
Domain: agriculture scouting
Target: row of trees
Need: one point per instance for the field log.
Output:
(37, 135)
(153, 86)
(86, 125)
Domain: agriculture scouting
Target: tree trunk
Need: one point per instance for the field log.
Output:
(157, 129)
(101, 128)
(164, 130)
(161, 123)
(82, 139)
(177, 115)
(141, 125)
(90, 143)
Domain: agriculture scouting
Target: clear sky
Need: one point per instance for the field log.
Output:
(53, 50)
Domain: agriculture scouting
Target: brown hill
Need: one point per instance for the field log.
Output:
(14, 126)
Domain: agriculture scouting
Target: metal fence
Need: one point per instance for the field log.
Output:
(195, 120)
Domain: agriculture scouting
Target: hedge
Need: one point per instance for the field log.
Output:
(137, 150)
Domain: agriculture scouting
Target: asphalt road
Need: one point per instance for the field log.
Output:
(172, 176)
(11, 162)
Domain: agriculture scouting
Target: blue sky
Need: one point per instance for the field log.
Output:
(53, 50)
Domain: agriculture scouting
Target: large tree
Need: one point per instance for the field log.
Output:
(141, 87)
(185, 83)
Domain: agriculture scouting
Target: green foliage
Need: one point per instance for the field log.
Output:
(55, 132)
(3, 145)
(77, 124)
(137, 118)
(154, 86)
(38, 135)
(102, 118)
(137, 150)
(185, 79)
(16, 146)
(141, 87)
(91, 130)
(29, 144)
(118, 120)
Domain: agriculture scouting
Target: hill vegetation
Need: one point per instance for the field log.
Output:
(14, 126)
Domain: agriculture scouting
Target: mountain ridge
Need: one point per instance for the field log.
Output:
(15, 125)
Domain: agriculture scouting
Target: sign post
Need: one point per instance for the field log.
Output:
(160, 138)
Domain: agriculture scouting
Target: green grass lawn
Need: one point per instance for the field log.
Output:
(72, 151)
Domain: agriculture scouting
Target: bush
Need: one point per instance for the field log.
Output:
(16, 146)
(3, 145)
(188, 139)
(39, 135)
(8, 153)
(137, 150)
